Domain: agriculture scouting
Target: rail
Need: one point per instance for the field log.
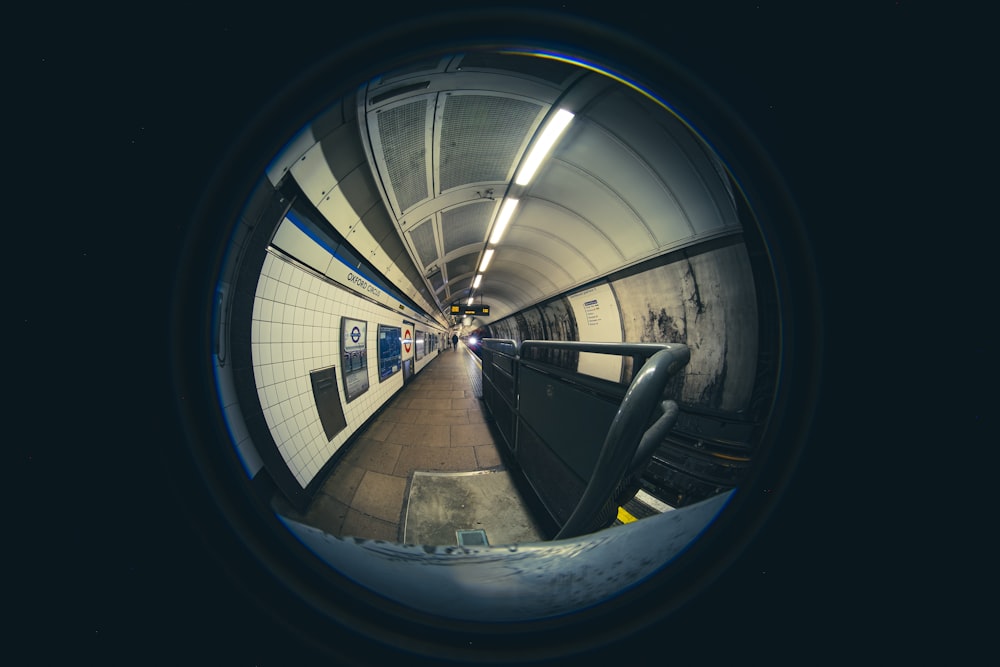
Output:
(579, 440)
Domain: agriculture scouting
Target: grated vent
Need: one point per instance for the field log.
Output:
(462, 265)
(481, 136)
(436, 280)
(456, 287)
(465, 225)
(423, 240)
(402, 132)
(541, 68)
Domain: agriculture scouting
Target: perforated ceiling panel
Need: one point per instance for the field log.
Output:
(436, 280)
(423, 240)
(462, 265)
(403, 136)
(482, 136)
(466, 224)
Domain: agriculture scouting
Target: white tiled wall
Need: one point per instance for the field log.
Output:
(296, 330)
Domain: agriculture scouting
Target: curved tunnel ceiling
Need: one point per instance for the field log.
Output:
(413, 171)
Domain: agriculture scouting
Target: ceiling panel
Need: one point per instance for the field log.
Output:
(668, 148)
(601, 153)
(481, 136)
(403, 141)
(464, 264)
(466, 225)
(595, 201)
(422, 238)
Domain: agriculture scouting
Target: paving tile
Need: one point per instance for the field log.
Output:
(430, 404)
(443, 417)
(380, 495)
(343, 482)
(478, 415)
(379, 429)
(399, 416)
(358, 524)
(421, 434)
(326, 513)
(470, 434)
(453, 459)
(444, 393)
(487, 456)
(374, 455)
(464, 403)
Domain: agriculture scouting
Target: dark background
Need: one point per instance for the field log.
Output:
(875, 116)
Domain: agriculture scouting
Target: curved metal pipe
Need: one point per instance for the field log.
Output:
(624, 435)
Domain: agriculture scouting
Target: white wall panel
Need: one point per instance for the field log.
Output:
(312, 173)
(291, 154)
(295, 330)
(339, 211)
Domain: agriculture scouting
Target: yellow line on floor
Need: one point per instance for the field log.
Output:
(624, 516)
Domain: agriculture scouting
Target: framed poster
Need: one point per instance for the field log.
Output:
(354, 357)
(331, 412)
(389, 351)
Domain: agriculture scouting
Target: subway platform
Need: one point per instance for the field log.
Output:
(426, 470)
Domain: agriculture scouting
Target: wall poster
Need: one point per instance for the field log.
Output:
(331, 412)
(354, 353)
(389, 351)
(598, 319)
(418, 344)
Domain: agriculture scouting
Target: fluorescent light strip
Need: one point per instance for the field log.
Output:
(487, 256)
(479, 279)
(470, 301)
(506, 211)
(543, 146)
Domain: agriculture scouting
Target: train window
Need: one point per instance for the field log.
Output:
(651, 218)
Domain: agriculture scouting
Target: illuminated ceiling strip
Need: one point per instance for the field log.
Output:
(552, 131)
(479, 279)
(506, 211)
(487, 256)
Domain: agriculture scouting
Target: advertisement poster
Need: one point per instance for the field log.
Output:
(418, 344)
(389, 351)
(598, 320)
(354, 354)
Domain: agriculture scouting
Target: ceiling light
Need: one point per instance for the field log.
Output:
(543, 145)
(479, 279)
(506, 211)
(470, 301)
(487, 256)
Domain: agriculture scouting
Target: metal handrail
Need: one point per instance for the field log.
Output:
(628, 442)
(502, 345)
(627, 430)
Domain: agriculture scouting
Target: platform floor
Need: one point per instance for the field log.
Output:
(435, 424)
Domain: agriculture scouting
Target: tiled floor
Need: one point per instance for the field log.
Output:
(435, 423)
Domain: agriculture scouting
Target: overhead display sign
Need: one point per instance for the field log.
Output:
(470, 310)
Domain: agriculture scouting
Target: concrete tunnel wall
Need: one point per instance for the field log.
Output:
(704, 300)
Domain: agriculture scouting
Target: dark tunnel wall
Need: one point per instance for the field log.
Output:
(703, 298)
